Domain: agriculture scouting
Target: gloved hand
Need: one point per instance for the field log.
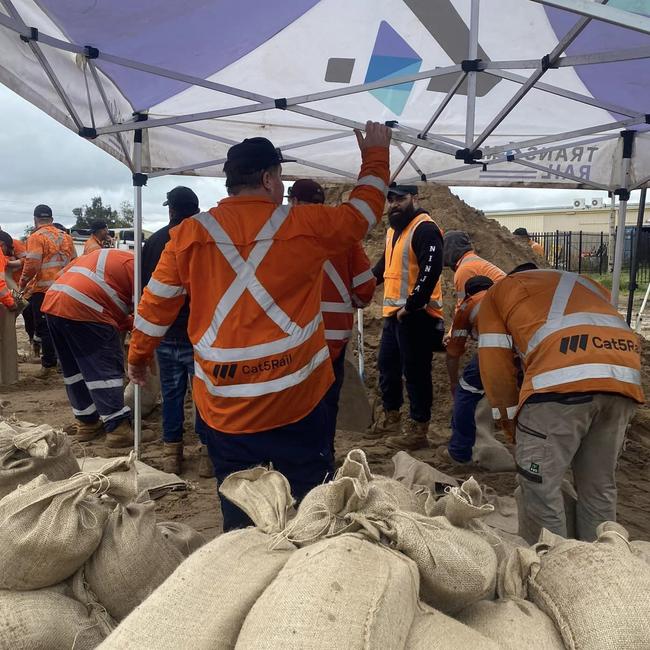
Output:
(508, 427)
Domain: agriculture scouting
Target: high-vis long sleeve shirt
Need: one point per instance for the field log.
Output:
(568, 337)
(49, 251)
(95, 288)
(6, 298)
(469, 266)
(464, 324)
(348, 283)
(253, 274)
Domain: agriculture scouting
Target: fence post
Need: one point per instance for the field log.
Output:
(557, 248)
(568, 250)
(580, 252)
(600, 256)
(634, 262)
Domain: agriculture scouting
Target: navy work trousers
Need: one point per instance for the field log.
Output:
(332, 396)
(92, 360)
(469, 393)
(406, 349)
(301, 451)
(41, 331)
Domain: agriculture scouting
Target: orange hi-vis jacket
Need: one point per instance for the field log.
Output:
(401, 271)
(6, 298)
(49, 250)
(464, 324)
(348, 283)
(95, 288)
(253, 274)
(469, 266)
(568, 336)
(20, 252)
(92, 244)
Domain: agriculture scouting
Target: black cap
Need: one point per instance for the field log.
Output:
(520, 232)
(43, 210)
(95, 226)
(254, 154)
(181, 196)
(402, 190)
(477, 283)
(307, 190)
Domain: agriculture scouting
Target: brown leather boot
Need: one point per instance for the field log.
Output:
(388, 422)
(122, 435)
(206, 468)
(46, 373)
(85, 431)
(172, 457)
(413, 437)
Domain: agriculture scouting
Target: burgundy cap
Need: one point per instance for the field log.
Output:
(307, 190)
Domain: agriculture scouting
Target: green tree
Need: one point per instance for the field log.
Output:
(97, 211)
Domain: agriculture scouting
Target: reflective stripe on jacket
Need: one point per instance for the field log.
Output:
(5, 294)
(401, 271)
(464, 324)
(469, 266)
(49, 251)
(568, 336)
(348, 283)
(253, 273)
(95, 288)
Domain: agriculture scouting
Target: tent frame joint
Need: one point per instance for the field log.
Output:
(91, 52)
(545, 63)
(623, 193)
(628, 143)
(468, 156)
(140, 179)
(471, 65)
(88, 132)
(281, 103)
(33, 35)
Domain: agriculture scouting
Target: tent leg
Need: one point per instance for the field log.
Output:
(634, 263)
(471, 80)
(362, 363)
(624, 194)
(137, 275)
(612, 229)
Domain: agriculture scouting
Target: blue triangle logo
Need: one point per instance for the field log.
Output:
(392, 56)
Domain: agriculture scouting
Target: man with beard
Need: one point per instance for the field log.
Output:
(413, 321)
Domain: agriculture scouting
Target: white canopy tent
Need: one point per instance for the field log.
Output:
(512, 93)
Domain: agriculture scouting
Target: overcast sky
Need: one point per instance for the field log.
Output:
(43, 162)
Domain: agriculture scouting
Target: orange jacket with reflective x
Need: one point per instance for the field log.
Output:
(49, 250)
(252, 271)
(348, 283)
(95, 288)
(469, 266)
(568, 336)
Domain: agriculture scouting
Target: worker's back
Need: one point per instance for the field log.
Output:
(49, 250)
(469, 266)
(97, 288)
(570, 339)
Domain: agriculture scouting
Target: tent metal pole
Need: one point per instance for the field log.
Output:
(137, 275)
(634, 262)
(470, 113)
(612, 232)
(562, 92)
(607, 14)
(571, 35)
(47, 68)
(570, 61)
(624, 194)
(109, 111)
(559, 137)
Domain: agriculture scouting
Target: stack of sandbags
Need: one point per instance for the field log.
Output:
(149, 393)
(597, 594)
(26, 451)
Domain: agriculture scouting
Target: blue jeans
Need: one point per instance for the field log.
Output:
(301, 451)
(176, 365)
(469, 393)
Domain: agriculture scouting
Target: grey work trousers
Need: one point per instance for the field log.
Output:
(586, 434)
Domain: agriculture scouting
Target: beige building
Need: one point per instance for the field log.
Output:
(590, 216)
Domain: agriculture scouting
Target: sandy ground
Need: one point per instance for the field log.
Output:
(45, 402)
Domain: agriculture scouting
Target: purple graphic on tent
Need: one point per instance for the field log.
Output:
(392, 56)
(623, 83)
(203, 38)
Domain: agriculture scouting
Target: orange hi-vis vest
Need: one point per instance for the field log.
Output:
(348, 283)
(568, 336)
(464, 324)
(253, 274)
(469, 266)
(402, 270)
(49, 251)
(95, 288)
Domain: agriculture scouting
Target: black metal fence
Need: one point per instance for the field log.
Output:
(583, 252)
